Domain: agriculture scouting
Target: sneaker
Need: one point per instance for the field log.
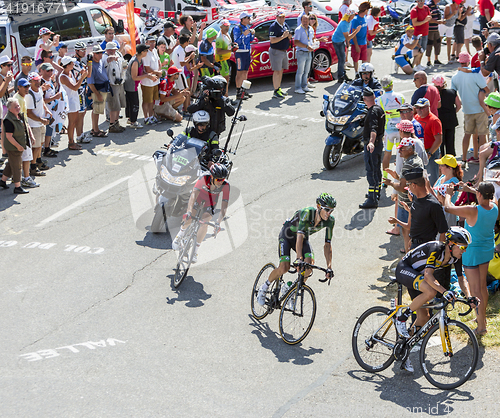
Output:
(306, 89)
(37, 172)
(148, 122)
(176, 243)
(129, 122)
(282, 92)
(311, 86)
(3, 184)
(396, 67)
(437, 62)
(20, 190)
(408, 366)
(421, 67)
(261, 296)
(401, 328)
(116, 128)
(29, 182)
(155, 119)
(429, 64)
(194, 259)
(42, 166)
(473, 160)
(300, 91)
(278, 95)
(135, 125)
(248, 95)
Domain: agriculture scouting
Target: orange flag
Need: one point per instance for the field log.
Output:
(131, 24)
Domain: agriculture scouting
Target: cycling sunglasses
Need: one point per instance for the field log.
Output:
(461, 247)
(221, 180)
(328, 210)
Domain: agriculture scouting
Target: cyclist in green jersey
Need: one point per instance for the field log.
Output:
(295, 235)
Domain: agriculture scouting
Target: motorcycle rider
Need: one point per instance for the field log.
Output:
(201, 130)
(366, 78)
(213, 101)
(206, 192)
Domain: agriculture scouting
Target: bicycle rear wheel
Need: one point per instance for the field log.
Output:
(372, 344)
(297, 314)
(184, 260)
(261, 311)
(449, 371)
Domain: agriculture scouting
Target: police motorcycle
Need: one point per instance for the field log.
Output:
(153, 25)
(345, 114)
(179, 165)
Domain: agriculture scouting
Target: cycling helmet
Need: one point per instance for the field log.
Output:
(80, 45)
(458, 235)
(326, 200)
(366, 67)
(219, 171)
(201, 116)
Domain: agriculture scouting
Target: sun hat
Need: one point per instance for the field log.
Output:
(44, 31)
(438, 80)
(406, 126)
(211, 33)
(66, 60)
(464, 57)
(405, 106)
(97, 49)
(493, 100)
(111, 45)
(244, 14)
(448, 160)
(47, 66)
(5, 60)
(226, 22)
(23, 82)
(409, 27)
(34, 76)
(61, 45)
(413, 173)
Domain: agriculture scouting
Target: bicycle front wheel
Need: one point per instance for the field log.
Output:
(261, 311)
(297, 314)
(184, 260)
(372, 343)
(452, 369)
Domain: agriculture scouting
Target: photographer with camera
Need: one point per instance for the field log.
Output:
(213, 101)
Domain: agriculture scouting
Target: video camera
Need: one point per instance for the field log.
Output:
(216, 88)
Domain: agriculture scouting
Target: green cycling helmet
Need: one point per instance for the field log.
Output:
(326, 200)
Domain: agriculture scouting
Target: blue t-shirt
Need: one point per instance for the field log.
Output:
(361, 35)
(99, 74)
(207, 49)
(277, 30)
(103, 44)
(304, 36)
(468, 85)
(343, 27)
(243, 41)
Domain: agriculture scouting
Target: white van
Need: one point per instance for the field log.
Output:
(83, 22)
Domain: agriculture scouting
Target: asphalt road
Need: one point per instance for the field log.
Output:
(91, 325)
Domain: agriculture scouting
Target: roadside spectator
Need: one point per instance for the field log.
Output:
(492, 63)
(451, 173)
(307, 8)
(51, 96)
(433, 136)
(149, 86)
(373, 27)
(477, 44)
(434, 37)
(62, 50)
(459, 28)
(207, 54)
(279, 37)
(48, 58)
(189, 29)
(179, 54)
(115, 67)
(170, 97)
(426, 91)
(481, 250)
(373, 134)
(358, 42)
(98, 83)
(469, 31)
(27, 155)
(36, 110)
(450, 105)
(468, 86)
(492, 103)
(313, 23)
(243, 36)
(168, 37)
(344, 7)
(486, 11)
(6, 77)
(190, 70)
(223, 49)
(420, 17)
(15, 143)
(407, 48)
(340, 40)
(451, 12)
(302, 39)
(165, 60)
(78, 67)
(135, 73)
(44, 43)
(26, 64)
(71, 85)
(109, 36)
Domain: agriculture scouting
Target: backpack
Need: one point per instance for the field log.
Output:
(114, 70)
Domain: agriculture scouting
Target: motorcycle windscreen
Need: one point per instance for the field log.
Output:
(346, 98)
(184, 160)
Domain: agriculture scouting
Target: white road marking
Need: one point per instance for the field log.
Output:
(82, 201)
(249, 130)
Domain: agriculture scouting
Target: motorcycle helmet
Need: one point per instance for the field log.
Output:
(366, 67)
(80, 45)
(326, 200)
(201, 120)
(458, 235)
(219, 171)
(220, 80)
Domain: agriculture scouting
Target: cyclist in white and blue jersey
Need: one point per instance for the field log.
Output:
(408, 48)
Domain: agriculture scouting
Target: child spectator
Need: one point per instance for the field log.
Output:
(44, 43)
(171, 98)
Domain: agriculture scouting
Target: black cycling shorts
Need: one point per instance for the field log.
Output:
(287, 243)
(410, 278)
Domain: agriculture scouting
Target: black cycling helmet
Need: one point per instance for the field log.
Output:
(219, 171)
(458, 235)
(80, 45)
(326, 200)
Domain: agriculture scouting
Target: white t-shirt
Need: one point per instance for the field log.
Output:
(177, 56)
(170, 41)
(151, 60)
(370, 22)
(38, 108)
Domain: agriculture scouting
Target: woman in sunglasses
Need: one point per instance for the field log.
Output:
(480, 223)
(295, 235)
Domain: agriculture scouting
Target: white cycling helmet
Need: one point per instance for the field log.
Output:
(366, 67)
(201, 116)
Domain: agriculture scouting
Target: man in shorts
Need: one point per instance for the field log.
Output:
(243, 36)
(358, 43)
(407, 49)
(207, 54)
(115, 101)
(79, 66)
(223, 49)
(279, 37)
(149, 87)
(98, 83)
(468, 86)
(171, 98)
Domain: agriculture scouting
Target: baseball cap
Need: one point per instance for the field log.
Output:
(447, 159)
(281, 13)
(211, 33)
(244, 14)
(464, 57)
(422, 102)
(405, 106)
(66, 60)
(190, 48)
(226, 22)
(61, 45)
(493, 100)
(406, 126)
(409, 27)
(47, 66)
(23, 82)
(169, 25)
(438, 80)
(173, 70)
(413, 173)
(5, 60)
(44, 31)
(493, 39)
(33, 76)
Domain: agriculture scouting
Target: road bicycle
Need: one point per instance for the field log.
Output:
(449, 350)
(188, 246)
(297, 305)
